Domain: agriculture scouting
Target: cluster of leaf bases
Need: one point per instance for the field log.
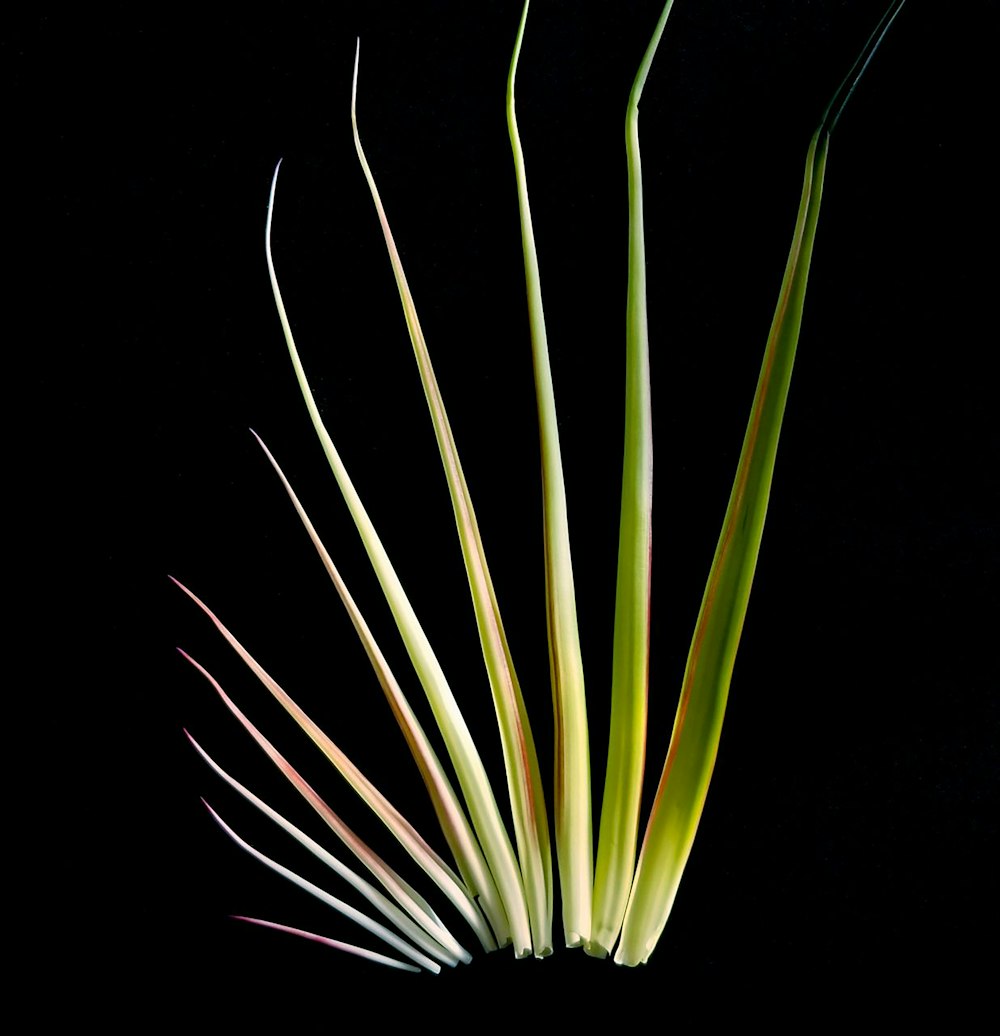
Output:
(504, 890)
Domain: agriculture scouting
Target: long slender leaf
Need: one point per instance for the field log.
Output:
(630, 666)
(332, 901)
(698, 723)
(454, 824)
(404, 832)
(335, 944)
(574, 835)
(694, 742)
(385, 906)
(404, 893)
(524, 781)
(509, 914)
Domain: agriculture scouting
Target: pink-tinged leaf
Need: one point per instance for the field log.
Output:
(336, 944)
(525, 883)
(411, 840)
(404, 894)
(454, 824)
(508, 915)
(386, 907)
(332, 901)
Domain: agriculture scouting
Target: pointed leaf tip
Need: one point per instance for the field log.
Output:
(354, 79)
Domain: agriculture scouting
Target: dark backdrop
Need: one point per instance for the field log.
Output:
(844, 850)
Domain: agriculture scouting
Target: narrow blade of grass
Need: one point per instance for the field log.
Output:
(336, 944)
(509, 914)
(574, 836)
(694, 742)
(454, 824)
(630, 667)
(408, 898)
(383, 905)
(690, 759)
(404, 832)
(523, 777)
(698, 722)
(331, 901)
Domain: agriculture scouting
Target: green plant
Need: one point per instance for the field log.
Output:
(506, 891)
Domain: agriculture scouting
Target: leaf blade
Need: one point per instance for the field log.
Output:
(572, 807)
(325, 897)
(508, 912)
(454, 824)
(336, 944)
(404, 832)
(409, 927)
(683, 785)
(531, 872)
(694, 742)
(619, 823)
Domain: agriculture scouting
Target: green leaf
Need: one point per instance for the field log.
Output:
(508, 914)
(694, 741)
(524, 783)
(454, 824)
(630, 665)
(698, 723)
(574, 837)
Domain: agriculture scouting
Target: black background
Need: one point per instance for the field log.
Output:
(844, 860)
